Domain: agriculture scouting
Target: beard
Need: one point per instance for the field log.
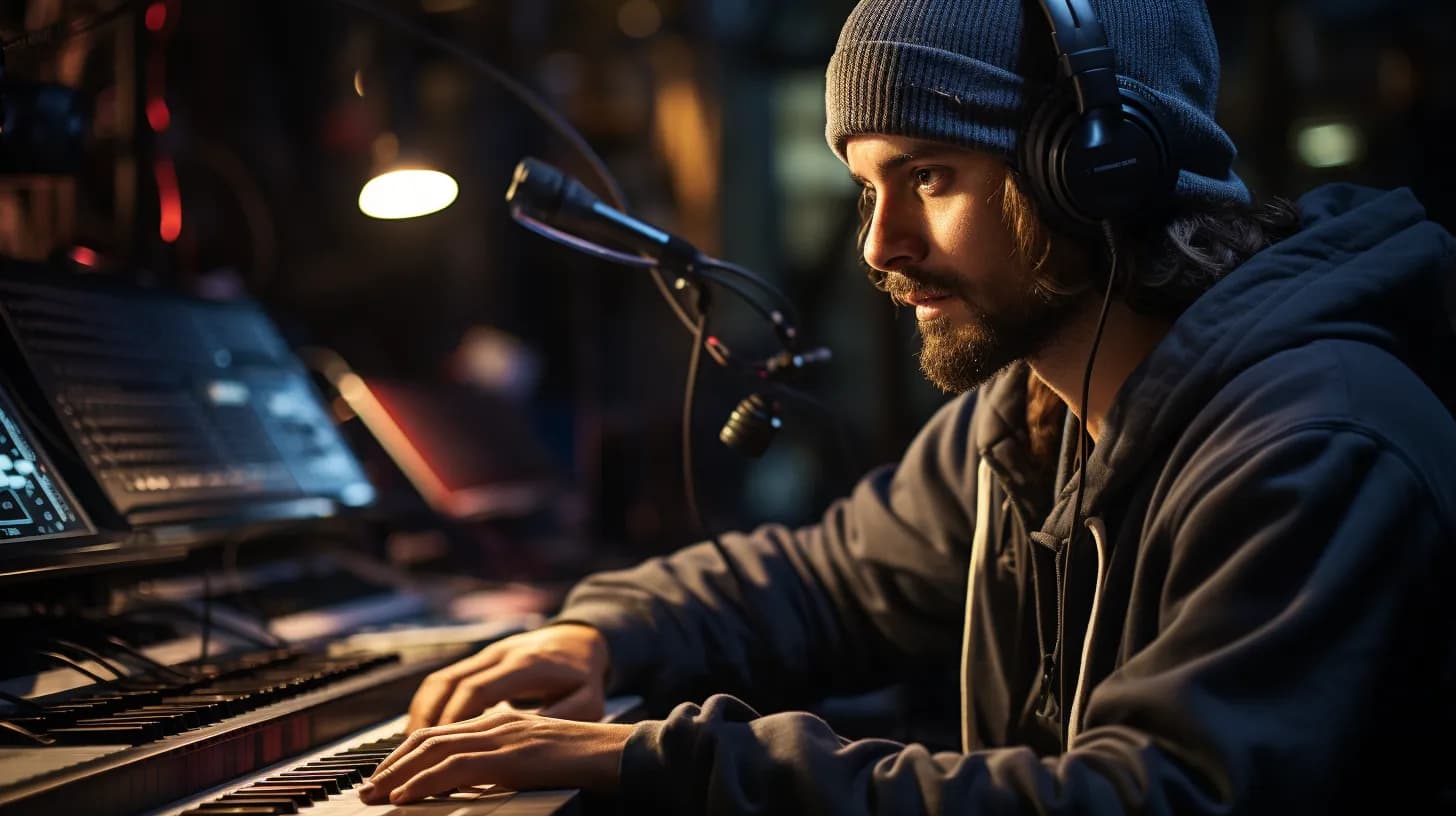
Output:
(957, 356)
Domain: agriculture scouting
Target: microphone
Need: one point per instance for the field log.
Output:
(543, 193)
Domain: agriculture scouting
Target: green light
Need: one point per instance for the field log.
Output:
(1331, 144)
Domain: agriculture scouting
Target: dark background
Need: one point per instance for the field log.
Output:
(270, 115)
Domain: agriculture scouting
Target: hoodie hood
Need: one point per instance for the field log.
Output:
(1366, 266)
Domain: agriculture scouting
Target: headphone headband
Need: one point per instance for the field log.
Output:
(1083, 54)
(1096, 153)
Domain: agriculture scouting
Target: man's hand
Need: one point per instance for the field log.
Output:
(561, 668)
(507, 747)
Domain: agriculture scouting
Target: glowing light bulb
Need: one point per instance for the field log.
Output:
(407, 193)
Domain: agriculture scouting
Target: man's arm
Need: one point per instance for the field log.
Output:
(877, 586)
(879, 583)
(1302, 641)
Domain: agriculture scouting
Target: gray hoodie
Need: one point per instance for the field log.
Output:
(1257, 617)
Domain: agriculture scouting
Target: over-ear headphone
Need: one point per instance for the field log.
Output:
(1093, 150)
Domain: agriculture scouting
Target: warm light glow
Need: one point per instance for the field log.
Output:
(407, 194)
(169, 201)
(445, 6)
(1332, 144)
(85, 256)
(639, 18)
(158, 115)
(156, 16)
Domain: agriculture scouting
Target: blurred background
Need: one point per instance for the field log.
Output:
(227, 142)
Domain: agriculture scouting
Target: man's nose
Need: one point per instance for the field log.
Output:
(892, 240)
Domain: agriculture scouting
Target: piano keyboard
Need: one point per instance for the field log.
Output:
(207, 746)
(325, 783)
(133, 711)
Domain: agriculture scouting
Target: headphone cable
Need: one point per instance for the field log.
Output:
(1082, 446)
(1083, 453)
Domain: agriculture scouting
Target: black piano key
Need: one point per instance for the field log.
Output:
(37, 723)
(168, 722)
(105, 734)
(299, 797)
(190, 717)
(272, 808)
(315, 792)
(350, 773)
(154, 729)
(331, 783)
(277, 800)
(279, 804)
(227, 704)
(235, 810)
(364, 769)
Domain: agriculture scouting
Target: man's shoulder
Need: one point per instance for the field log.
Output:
(1334, 386)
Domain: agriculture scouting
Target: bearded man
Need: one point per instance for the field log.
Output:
(1188, 529)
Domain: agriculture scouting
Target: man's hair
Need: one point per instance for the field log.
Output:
(1164, 268)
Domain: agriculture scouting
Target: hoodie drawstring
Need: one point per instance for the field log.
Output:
(1099, 538)
(980, 536)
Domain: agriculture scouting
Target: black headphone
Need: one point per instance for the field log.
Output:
(1093, 150)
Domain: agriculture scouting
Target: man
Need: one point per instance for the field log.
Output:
(1236, 601)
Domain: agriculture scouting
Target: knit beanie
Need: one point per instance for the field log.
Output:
(954, 71)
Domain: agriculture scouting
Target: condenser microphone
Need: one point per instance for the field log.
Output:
(544, 193)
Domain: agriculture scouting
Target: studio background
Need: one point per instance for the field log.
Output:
(229, 141)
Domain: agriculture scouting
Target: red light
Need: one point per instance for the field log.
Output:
(158, 116)
(169, 201)
(156, 16)
(85, 256)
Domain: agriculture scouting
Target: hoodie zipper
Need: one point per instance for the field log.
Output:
(1059, 571)
(1048, 707)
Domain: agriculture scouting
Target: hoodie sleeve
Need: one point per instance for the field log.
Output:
(836, 606)
(1292, 626)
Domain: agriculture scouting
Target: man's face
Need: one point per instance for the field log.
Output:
(937, 233)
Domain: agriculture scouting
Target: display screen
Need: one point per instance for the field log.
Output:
(34, 503)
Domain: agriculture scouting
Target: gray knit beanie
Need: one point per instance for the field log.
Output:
(947, 70)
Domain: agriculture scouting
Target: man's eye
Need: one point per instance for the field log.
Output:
(928, 177)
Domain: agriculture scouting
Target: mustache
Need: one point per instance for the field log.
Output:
(904, 284)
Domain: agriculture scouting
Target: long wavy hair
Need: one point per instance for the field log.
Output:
(1167, 266)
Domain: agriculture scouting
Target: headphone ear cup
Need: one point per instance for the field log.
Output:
(1039, 139)
(1115, 167)
(1089, 168)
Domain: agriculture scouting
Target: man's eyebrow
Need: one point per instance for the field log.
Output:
(921, 151)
